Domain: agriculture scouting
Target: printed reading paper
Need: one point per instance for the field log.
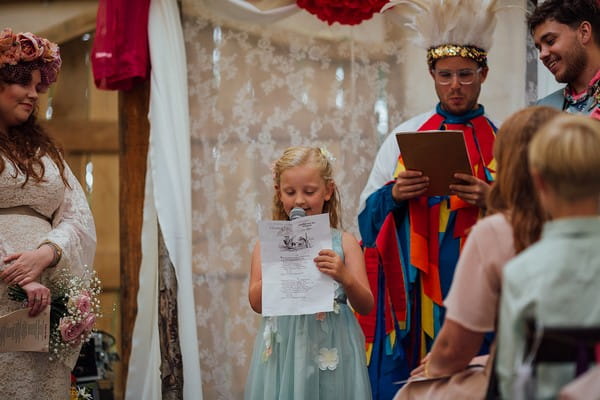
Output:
(291, 282)
(20, 332)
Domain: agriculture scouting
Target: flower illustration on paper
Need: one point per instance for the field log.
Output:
(328, 359)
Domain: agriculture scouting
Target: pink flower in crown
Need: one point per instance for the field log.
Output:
(50, 72)
(30, 47)
(7, 39)
(70, 330)
(596, 113)
(9, 48)
(50, 50)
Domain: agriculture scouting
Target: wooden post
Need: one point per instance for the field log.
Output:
(134, 133)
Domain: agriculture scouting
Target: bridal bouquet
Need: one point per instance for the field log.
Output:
(74, 309)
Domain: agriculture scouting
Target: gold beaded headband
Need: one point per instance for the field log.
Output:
(453, 50)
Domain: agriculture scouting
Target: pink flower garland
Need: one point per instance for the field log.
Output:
(346, 12)
(26, 47)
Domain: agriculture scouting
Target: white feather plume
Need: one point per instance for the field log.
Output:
(460, 22)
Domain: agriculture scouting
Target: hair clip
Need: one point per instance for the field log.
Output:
(327, 154)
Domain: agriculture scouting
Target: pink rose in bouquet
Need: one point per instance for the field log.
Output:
(30, 47)
(70, 331)
(83, 303)
(88, 322)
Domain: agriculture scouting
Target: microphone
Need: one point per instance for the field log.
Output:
(297, 212)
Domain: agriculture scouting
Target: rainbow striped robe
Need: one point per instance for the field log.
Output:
(411, 249)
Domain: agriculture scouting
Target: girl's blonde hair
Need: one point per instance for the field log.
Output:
(319, 159)
(566, 153)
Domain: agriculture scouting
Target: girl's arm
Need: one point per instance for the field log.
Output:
(351, 274)
(356, 283)
(255, 287)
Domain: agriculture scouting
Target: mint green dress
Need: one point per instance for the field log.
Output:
(310, 357)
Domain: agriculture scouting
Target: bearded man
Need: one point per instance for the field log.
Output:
(567, 36)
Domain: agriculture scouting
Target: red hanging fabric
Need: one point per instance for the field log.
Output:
(120, 53)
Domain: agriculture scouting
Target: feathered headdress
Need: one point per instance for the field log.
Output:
(448, 28)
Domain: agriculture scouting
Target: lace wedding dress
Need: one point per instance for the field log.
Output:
(30, 213)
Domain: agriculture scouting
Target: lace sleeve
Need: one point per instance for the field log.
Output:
(73, 229)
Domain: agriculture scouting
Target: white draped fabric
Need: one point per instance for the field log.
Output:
(143, 376)
(261, 79)
(167, 202)
(241, 10)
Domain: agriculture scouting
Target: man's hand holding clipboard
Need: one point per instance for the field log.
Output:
(437, 164)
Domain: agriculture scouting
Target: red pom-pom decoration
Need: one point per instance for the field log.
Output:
(345, 12)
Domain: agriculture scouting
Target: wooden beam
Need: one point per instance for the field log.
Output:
(84, 136)
(134, 132)
(58, 21)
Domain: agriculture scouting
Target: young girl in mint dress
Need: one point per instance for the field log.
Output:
(316, 356)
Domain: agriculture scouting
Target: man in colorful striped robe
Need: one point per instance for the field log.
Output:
(412, 241)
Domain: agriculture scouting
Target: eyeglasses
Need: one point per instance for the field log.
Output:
(465, 76)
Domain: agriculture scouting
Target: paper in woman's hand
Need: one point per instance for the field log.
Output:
(20, 332)
(291, 282)
(438, 154)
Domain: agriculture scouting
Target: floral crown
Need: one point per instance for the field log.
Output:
(22, 47)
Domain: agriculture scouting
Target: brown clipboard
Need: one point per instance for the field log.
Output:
(438, 154)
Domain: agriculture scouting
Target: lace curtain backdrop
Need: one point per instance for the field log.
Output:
(255, 89)
(254, 92)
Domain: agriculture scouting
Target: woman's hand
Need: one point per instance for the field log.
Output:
(420, 370)
(27, 266)
(330, 263)
(38, 297)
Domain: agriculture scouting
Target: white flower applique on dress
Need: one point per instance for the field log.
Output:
(336, 307)
(328, 359)
(269, 336)
(320, 316)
